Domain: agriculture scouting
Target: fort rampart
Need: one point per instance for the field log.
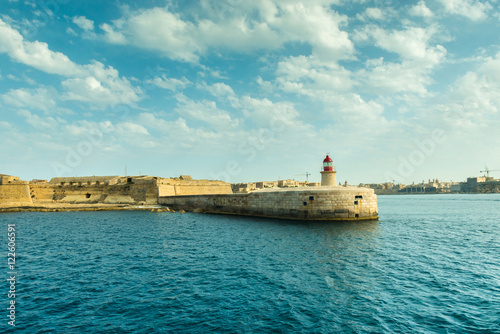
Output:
(138, 190)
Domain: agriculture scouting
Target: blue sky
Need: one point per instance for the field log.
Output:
(250, 90)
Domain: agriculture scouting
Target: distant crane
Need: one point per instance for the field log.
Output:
(487, 171)
(306, 174)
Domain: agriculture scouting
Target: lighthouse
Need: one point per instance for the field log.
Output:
(328, 177)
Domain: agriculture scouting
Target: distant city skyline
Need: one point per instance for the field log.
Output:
(250, 91)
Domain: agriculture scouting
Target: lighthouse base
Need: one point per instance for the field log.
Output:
(328, 178)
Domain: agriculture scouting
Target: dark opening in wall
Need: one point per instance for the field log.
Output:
(356, 215)
(358, 196)
(311, 198)
(305, 203)
(355, 202)
(87, 195)
(129, 180)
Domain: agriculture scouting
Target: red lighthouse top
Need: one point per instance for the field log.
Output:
(328, 164)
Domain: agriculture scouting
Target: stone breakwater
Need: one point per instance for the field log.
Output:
(321, 203)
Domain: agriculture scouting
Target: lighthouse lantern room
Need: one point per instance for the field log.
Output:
(328, 164)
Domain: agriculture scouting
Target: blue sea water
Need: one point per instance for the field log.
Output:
(431, 264)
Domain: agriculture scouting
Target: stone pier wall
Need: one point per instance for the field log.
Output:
(322, 203)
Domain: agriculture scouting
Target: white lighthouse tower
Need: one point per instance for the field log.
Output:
(328, 175)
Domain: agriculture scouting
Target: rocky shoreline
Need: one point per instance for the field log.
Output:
(60, 207)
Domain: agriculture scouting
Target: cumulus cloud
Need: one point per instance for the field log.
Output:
(275, 24)
(38, 99)
(310, 76)
(40, 123)
(83, 23)
(100, 85)
(36, 54)
(205, 111)
(93, 83)
(375, 13)
(474, 98)
(411, 43)
(172, 84)
(177, 136)
(420, 9)
(218, 89)
(390, 78)
(472, 9)
(133, 129)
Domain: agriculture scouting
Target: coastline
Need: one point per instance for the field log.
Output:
(60, 207)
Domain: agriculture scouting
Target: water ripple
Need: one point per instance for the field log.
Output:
(430, 265)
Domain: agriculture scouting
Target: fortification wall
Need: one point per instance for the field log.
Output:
(145, 193)
(76, 191)
(15, 193)
(42, 193)
(325, 203)
(171, 187)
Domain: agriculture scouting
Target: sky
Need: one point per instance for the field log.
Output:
(246, 91)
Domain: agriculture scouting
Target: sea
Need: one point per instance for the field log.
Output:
(430, 264)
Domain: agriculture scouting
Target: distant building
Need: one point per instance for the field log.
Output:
(266, 184)
(6, 179)
(38, 181)
(243, 187)
(288, 183)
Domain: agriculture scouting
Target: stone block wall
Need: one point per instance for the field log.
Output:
(325, 203)
(42, 193)
(145, 193)
(171, 187)
(15, 193)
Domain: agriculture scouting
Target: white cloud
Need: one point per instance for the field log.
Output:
(156, 29)
(83, 23)
(218, 89)
(5, 125)
(412, 43)
(172, 84)
(101, 86)
(310, 76)
(472, 9)
(111, 35)
(93, 83)
(474, 98)
(388, 78)
(420, 9)
(375, 13)
(35, 54)
(205, 111)
(177, 136)
(70, 31)
(264, 112)
(274, 25)
(38, 99)
(127, 128)
(41, 123)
